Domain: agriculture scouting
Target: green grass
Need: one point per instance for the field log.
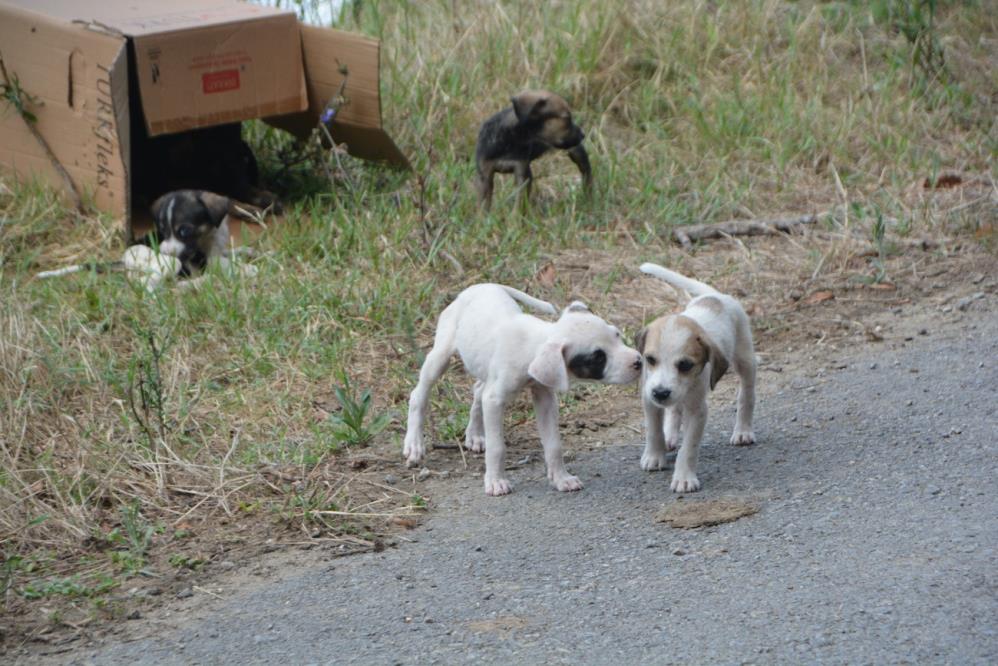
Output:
(112, 400)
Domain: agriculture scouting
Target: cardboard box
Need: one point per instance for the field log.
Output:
(102, 67)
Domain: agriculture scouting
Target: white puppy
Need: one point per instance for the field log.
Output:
(685, 355)
(506, 350)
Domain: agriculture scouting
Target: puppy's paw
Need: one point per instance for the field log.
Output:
(474, 442)
(413, 449)
(652, 461)
(497, 487)
(742, 438)
(684, 482)
(567, 483)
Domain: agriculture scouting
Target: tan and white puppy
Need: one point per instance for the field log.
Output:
(684, 356)
(506, 350)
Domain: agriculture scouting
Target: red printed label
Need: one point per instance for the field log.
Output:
(216, 82)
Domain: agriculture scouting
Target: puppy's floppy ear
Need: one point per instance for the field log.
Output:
(528, 105)
(718, 364)
(577, 306)
(640, 338)
(217, 205)
(548, 367)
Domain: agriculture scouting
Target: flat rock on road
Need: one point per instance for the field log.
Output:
(875, 542)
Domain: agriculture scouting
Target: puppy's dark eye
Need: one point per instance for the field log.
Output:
(185, 233)
(684, 365)
(651, 361)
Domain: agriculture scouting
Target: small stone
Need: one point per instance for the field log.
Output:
(185, 593)
(923, 331)
(444, 474)
(227, 565)
(423, 475)
(391, 479)
(478, 549)
(679, 552)
(134, 615)
(873, 366)
(934, 490)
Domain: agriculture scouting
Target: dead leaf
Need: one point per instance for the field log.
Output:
(819, 297)
(408, 523)
(882, 286)
(547, 275)
(699, 513)
(943, 180)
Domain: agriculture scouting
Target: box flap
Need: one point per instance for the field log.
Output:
(358, 123)
(80, 79)
(220, 73)
(132, 18)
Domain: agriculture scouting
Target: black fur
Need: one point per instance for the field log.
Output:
(191, 217)
(588, 366)
(506, 137)
(510, 140)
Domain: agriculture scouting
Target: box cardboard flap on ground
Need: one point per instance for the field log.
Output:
(198, 63)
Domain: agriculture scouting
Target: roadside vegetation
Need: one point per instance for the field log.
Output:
(142, 435)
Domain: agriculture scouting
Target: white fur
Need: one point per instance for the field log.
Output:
(150, 268)
(506, 351)
(729, 334)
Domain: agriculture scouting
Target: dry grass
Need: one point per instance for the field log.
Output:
(192, 419)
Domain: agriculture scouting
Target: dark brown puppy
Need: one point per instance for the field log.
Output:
(508, 141)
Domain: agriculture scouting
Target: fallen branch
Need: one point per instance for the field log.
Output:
(686, 236)
(13, 94)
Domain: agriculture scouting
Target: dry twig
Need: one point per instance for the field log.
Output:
(686, 236)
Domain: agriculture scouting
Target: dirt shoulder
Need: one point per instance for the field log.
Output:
(815, 301)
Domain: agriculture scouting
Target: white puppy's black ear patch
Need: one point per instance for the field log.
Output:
(577, 306)
(548, 367)
(589, 366)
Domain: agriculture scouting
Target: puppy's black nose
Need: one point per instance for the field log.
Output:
(661, 394)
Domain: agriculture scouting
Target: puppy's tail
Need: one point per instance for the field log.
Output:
(69, 270)
(688, 285)
(530, 301)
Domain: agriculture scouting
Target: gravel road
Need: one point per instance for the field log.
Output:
(875, 543)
